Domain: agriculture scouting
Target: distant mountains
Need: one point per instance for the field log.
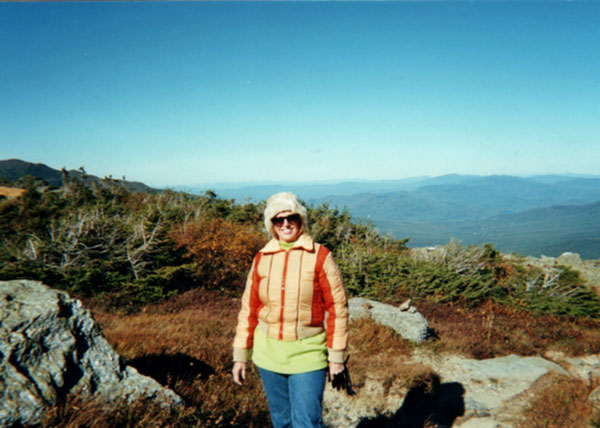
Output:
(14, 169)
(537, 215)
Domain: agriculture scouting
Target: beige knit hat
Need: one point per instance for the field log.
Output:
(284, 201)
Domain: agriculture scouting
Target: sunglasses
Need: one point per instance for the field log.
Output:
(292, 218)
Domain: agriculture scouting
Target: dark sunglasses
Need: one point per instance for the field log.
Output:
(292, 218)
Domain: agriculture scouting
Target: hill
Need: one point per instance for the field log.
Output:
(533, 192)
(538, 215)
(546, 231)
(535, 215)
(307, 191)
(468, 197)
(14, 169)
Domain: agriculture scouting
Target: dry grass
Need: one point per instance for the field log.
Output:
(185, 344)
(11, 192)
(564, 403)
(377, 351)
(75, 413)
(492, 330)
(380, 354)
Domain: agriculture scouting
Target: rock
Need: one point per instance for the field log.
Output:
(492, 386)
(547, 261)
(50, 346)
(410, 325)
(586, 367)
(482, 423)
(492, 382)
(406, 305)
(476, 393)
(570, 259)
(341, 410)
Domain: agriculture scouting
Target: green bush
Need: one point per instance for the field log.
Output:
(96, 239)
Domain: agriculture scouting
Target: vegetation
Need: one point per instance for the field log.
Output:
(170, 266)
(184, 343)
(127, 248)
(122, 247)
(562, 403)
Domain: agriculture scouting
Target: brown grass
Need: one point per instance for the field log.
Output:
(185, 343)
(564, 403)
(76, 412)
(492, 330)
(11, 192)
(378, 352)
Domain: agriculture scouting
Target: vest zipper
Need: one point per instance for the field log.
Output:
(285, 265)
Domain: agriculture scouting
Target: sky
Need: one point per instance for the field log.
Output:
(185, 93)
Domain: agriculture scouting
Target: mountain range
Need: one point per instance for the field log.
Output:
(536, 215)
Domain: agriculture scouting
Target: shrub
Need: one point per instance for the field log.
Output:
(470, 276)
(559, 291)
(221, 250)
(562, 404)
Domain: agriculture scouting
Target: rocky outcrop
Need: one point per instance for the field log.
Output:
(50, 346)
(462, 392)
(405, 320)
(468, 394)
(493, 385)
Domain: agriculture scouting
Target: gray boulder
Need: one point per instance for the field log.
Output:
(490, 393)
(407, 322)
(506, 376)
(570, 259)
(50, 346)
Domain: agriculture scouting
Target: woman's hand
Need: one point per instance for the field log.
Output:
(335, 368)
(239, 372)
(340, 378)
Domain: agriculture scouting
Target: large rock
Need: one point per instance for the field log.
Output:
(470, 394)
(51, 346)
(408, 323)
(570, 259)
(492, 383)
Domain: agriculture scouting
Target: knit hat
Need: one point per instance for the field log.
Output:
(284, 201)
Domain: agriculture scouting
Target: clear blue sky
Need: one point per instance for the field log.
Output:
(186, 93)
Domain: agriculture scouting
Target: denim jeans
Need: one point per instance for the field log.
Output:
(294, 399)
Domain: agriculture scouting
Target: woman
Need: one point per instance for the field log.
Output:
(292, 282)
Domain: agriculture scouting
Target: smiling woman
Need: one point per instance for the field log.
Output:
(292, 283)
(287, 226)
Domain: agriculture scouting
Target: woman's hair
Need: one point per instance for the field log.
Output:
(284, 201)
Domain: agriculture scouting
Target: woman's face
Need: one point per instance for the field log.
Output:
(287, 226)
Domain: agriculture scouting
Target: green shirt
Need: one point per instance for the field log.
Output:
(287, 246)
(299, 356)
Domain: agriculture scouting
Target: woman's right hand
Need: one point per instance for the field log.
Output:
(239, 372)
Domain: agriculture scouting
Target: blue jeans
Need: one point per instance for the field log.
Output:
(294, 399)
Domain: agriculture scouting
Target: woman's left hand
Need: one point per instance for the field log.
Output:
(335, 368)
(339, 377)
